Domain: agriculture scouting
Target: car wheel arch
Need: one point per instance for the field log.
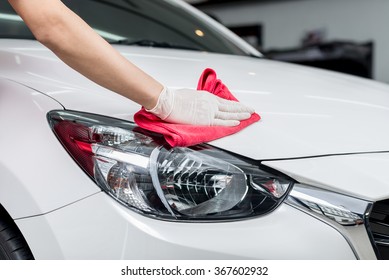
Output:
(13, 245)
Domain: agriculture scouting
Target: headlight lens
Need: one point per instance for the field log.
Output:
(143, 173)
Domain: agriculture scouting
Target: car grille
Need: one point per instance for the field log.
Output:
(379, 226)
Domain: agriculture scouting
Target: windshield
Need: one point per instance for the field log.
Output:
(157, 23)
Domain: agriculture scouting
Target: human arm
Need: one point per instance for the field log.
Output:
(79, 46)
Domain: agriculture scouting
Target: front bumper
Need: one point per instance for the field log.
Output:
(97, 227)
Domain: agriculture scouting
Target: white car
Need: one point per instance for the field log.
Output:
(79, 180)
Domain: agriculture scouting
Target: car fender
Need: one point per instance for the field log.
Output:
(51, 178)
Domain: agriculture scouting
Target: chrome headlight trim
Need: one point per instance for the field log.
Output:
(344, 210)
(346, 214)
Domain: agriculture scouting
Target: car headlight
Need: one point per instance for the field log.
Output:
(145, 174)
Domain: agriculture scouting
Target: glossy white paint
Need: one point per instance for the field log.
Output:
(37, 174)
(103, 229)
(365, 175)
(305, 111)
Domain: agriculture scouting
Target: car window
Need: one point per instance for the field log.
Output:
(11, 25)
(158, 23)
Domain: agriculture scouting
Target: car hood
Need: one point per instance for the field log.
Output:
(305, 112)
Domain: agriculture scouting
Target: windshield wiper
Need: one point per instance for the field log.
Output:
(152, 43)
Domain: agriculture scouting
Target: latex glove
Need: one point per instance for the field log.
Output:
(188, 106)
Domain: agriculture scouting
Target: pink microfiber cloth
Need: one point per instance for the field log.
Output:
(188, 135)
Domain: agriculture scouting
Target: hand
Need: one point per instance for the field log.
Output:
(188, 106)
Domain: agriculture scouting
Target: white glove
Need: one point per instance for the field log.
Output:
(188, 106)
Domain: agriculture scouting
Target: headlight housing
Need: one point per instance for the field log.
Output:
(143, 173)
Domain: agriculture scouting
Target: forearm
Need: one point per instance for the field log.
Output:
(79, 46)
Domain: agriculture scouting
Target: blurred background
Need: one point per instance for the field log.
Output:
(348, 36)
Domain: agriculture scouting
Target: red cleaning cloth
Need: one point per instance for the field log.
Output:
(188, 135)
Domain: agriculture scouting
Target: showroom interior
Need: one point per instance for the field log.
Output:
(346, 36)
